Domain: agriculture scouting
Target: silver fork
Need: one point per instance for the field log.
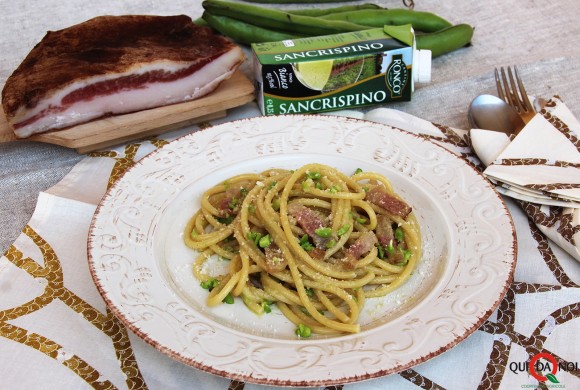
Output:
(514, 93)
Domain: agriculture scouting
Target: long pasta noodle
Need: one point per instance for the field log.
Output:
(313, 241)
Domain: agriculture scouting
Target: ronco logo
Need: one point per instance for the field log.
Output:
(397, 76)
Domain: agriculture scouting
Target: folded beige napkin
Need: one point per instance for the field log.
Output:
(541, 164)
(540, 168)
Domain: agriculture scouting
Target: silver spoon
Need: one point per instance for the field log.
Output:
(489, 112)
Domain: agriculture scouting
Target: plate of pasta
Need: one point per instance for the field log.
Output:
(302, 250)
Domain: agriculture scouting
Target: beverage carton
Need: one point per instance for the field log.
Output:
(341, 71)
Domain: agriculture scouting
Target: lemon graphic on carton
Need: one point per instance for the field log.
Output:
(314, 74)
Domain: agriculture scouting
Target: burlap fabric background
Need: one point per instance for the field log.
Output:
(540, 37)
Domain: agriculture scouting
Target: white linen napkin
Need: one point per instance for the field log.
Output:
(540, 168)
(541, 164)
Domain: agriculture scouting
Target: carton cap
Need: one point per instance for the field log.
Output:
(422, 66)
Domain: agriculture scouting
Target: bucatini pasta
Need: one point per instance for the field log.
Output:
(314, 241)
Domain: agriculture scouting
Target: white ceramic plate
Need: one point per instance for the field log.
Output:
(143, 270)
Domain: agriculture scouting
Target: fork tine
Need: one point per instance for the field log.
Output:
(498, 84)
(508, 93)
(517, 99)
(525, 99)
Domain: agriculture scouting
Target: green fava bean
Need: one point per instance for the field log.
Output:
(333, 10)
(277, 20)
(294, 1)
(445, 41)
(421, 21)
(242, 32)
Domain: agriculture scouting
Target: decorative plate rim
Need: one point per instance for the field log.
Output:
(247, 376)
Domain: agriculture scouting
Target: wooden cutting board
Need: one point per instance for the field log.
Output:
(114, 130)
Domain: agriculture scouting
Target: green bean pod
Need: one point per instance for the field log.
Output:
(294, 1)
(278, 20)
(333, 10)
(200, 22)
(421, 21)
(445, 41)
(242, 32)
(259, 24)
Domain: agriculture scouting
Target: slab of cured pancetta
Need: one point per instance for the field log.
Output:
(113, 65)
